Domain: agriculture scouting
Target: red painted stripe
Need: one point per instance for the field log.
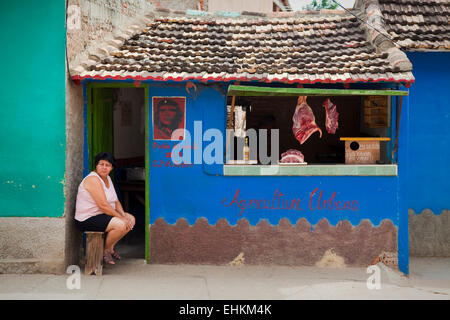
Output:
(243, 78)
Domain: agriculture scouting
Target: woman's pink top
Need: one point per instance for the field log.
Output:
(86, 207)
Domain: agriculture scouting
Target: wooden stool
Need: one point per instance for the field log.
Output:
(94, 253)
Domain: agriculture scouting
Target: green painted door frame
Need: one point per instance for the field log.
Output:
(100, 129)
(100, 123)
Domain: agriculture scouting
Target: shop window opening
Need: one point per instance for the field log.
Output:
(340, 130)
(358, 117)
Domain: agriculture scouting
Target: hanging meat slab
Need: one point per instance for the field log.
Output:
(292, 156)
(331, 120)
(304, 121)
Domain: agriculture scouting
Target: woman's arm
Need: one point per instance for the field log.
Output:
(126, 215)
(94, 186)
(119, 208)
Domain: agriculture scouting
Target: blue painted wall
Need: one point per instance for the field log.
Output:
(427, 182)
(201, 191)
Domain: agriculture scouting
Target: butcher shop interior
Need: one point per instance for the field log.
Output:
(328, 121)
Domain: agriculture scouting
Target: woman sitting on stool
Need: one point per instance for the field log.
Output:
(99, 209)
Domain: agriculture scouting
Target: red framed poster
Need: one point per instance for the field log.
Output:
(169, 115)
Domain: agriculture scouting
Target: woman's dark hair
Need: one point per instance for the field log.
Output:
(105, 156)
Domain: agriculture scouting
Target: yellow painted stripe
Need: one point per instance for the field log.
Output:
(364, 139)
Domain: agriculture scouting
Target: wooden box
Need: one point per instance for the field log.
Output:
(362, 150)
(376, 112)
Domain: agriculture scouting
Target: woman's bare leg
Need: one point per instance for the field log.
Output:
(133, 223)
(116, 230)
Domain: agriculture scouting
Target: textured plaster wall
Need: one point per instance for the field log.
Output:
(429, 234)
(265, 6)
(180, 4)
(30, 245)
(99, 18)
(283, 244)
(74, 165)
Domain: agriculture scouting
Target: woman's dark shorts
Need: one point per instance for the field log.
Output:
(95, 223)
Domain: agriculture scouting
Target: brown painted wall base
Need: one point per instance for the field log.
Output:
(284, 244)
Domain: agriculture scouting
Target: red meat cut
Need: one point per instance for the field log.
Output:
(292, 156)
(304, 121)
(331, 120)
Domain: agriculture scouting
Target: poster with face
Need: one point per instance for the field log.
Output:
(169, 114)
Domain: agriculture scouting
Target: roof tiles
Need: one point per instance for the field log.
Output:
(295, 49)
(418, 24)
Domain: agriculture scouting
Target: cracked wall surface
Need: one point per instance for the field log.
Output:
(282, 244)
(429, 233)
(32, 245)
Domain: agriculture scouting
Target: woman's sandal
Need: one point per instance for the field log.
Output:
(115, 255)
(108, 259)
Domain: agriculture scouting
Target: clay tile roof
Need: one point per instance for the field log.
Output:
(295, 48)
(418, 24)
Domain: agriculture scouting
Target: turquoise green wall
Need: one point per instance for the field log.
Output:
(32, 108)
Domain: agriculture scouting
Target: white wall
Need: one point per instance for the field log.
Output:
(264, 6)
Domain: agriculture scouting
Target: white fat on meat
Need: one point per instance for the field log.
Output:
(292, 156)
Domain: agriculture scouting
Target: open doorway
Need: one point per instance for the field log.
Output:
(116, 119)
(129, 151)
